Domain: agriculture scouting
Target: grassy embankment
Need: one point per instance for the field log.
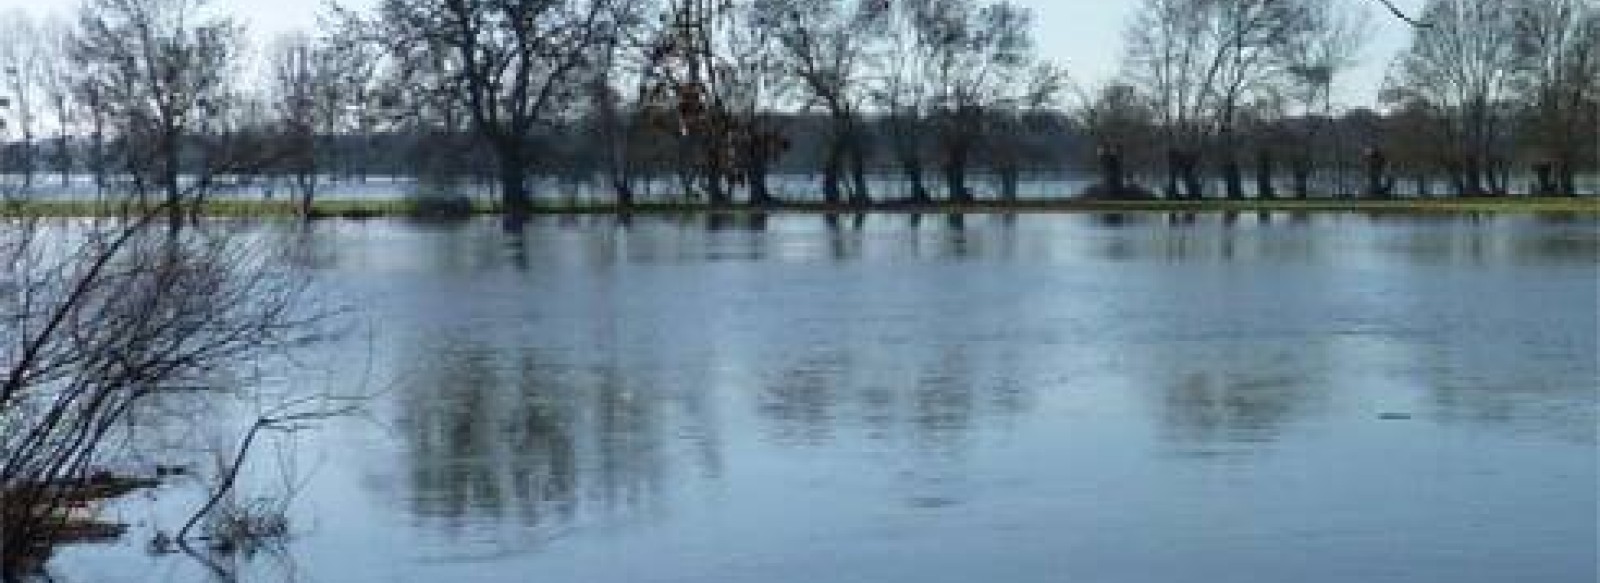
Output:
(398, 208)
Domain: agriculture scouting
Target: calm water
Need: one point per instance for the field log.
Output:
(1022, 399)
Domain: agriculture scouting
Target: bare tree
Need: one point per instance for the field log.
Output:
(1464, 67)
(1166, 60)
(1203, 63)
(99, 319)
(618, 85)
(512, 65)
(1123, 128)
(689, 78)
(825, 46)
(755, 86)
(902, 86)
(1313, 63)
(158, 71)
(58, 93)
(309, 83)
(712, 84)
(1559, 42)
(23, 67)
(983, 62)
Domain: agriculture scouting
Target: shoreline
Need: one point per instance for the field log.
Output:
(400, 208)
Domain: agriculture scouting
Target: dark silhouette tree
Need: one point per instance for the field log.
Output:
(511, 65)
(158, 72)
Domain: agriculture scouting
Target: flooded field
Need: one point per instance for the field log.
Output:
(934, 399)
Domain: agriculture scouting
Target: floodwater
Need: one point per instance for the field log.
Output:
(1034, 398)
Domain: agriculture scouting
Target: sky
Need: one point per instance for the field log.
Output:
(1085, 36)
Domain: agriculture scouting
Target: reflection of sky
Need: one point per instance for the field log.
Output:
(1023, 400)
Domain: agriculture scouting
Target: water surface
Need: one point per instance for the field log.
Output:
(930, 399)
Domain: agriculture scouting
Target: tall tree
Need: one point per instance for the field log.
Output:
(901, 88)
(983, 62)
(512, 65)
(296, 81)
(826, 48)
(1559, 42)
(1202, 63)
(1313, 64)
(158, 71)
(1464, 67)
(316, 88)
(59, 94)
(23, 68)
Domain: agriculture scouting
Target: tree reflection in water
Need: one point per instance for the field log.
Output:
(501, 438)
(1207, 412)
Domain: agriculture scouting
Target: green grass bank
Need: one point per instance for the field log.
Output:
(359, 209)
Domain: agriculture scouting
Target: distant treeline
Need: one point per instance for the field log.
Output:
(949, 98)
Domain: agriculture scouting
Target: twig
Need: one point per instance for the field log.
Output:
(1403, 16)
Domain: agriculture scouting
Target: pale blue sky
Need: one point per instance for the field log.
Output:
(1083, 35)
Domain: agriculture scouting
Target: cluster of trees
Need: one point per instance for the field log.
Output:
(1486, 88)
(154, 97)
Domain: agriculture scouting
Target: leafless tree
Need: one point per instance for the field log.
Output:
(101, 318)
(158, 71)
(311, 91)
(825, 46)
(983, 63)
(618, 85)
(512, 65)
(901, 88)
(1203, 63)
(689, 77)
(1559, 43)
(1465, 68)
(23, 67)
(1313, 63)
(754, 89)
(1123, 128)
(58, 93)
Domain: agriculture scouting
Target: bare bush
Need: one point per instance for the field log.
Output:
(100, 317)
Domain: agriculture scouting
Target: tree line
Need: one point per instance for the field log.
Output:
(1487, 91)
(166, 100)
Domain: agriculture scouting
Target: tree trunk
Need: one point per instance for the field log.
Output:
(170, 182)
(1566, 178)
(955, 174)
(1545, 180)
(756, 171)
(514, 197)
(1472, 178)
(1184, 175)
(64, 161)
(913, 173)
(1379, 184)
(717, 178)
(1302, 178)
(1233, 177)
(1010, 182)
(1498, 175)
(306, 196)
(1112, 177)
(860, 194)
(27, 157)
(1174, 174)
(1264, 187)
(624, 191)
(833, 172)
